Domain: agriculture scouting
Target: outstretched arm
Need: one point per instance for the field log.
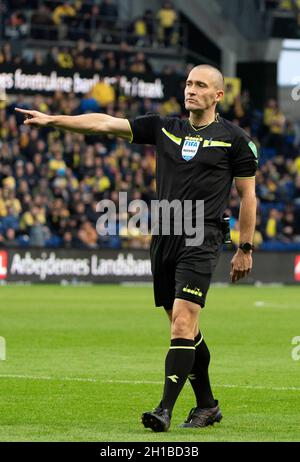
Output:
(241, 263)
(88, 124)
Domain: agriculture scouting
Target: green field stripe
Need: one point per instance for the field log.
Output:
(82, 363)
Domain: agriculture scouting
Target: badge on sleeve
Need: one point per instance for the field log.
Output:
(190, 149)
(253, 148)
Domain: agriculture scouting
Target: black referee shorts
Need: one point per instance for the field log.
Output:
(184, 272)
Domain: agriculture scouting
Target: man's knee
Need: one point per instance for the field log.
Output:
(184, 319)
(182, 327)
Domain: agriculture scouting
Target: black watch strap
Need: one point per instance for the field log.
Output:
(246, 247)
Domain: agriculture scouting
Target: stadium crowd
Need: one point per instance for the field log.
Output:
(91, 20)
(82, 56)
(51, 181)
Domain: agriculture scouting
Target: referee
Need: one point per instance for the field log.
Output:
(197, 159)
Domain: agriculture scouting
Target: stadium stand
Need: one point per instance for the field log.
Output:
(91, 21)
(50, 181)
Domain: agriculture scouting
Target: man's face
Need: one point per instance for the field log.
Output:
(201, 91)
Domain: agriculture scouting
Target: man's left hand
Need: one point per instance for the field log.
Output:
(241, 265)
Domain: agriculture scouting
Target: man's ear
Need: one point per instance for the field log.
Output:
(219, 95)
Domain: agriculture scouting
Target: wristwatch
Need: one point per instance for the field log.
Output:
(246, 247)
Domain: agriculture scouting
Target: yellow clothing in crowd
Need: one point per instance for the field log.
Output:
(288, 4)
(5, 204)
(3, 211)
(268, 115)
(103, 93)
(277, 124)
(61, 11)
(271, 228)
(28, 220)
(9, 182)
(171, 107)
(275, 120)
(55, 165)
(65, 60)
(140, 28)
(167, 17)
(297, 165)
(102, 184)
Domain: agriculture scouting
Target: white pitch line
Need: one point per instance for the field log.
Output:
(261, 304)
(44, 377)
(138, 382)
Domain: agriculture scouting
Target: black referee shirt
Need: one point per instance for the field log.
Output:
(197, 164)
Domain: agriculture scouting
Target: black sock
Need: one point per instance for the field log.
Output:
(179, 362)
(199, 374)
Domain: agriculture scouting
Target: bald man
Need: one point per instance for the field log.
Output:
(197, 160)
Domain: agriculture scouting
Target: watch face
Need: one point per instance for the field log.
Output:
(246, 247)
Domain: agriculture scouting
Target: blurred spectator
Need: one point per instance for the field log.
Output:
(171, 107)
(94, 24)
(87, 235)
(10, 238)
(109, 13)
(100, 182)
(274, 225)
(258, 234)
(167, 17)
(65, 59)
(60, 17)
(288, 227)
(42, 25)
(56, 163)
(11, 219)
(103, 94)
(37, 59)
(109, 61)
(16, 26)
(292, 6)
(139, 64)
(6, 55)
(89, 103)
(122, 56)
(275, 121)
(140, 32)
(63, 11)
(150, 27)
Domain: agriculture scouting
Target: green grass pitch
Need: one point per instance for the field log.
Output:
(83, 363)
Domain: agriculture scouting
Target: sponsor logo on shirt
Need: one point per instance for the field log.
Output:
(195, 291)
